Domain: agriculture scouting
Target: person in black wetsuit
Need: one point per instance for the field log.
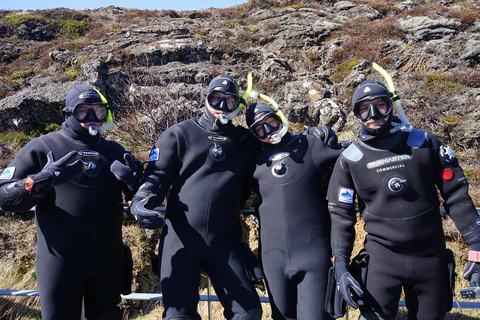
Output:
(290, 176)
(394, 175)
(76, 179)
(202, 162)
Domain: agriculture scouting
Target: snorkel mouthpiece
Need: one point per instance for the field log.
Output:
(224, 118)
(92, 130)
(276, 138)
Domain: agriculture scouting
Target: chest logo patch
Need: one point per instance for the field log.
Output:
(345, 195)
(387, 161)
(88, 153)
(279, 156)
(218, 138)
(7, 174)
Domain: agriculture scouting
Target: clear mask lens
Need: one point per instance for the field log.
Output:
(223, 103)
(265, 127)
(87, 113)
(372, 111)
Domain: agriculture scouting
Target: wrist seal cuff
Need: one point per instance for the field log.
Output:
(474, 256)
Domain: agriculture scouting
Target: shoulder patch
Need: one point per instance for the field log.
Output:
(352, 153)
(446, 153)
(345, 195)
(154, 154)
(7, 174)
(416, 138)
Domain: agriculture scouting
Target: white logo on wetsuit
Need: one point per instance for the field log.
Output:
(447, 153)
(278, 156)
(397, 166)
(217, 138)
(88, 153)
(385, 161)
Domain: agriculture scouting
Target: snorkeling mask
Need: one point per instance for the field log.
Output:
(98, 110)
(231, 104)
(370, 90)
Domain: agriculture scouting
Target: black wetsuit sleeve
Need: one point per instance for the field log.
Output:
(170, 147)
(29, 160)
(453, 187)
(248, 191)
(324, 154)
(341, 205)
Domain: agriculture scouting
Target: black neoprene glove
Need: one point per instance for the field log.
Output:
(143, 204)
(53, 173)
(346, 283)
(326, 134)
(126, 173)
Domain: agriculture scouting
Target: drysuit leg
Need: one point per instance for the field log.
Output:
(385, 274)
(282, 292)
(426, 296)
(423, 278)
(180, 279)
(60, 288)
(312, 290)
(234, 289)
(102, 294)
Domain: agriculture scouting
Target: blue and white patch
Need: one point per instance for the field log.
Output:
(477, 221)
(7, 174)
(345, 195)
(154, 154)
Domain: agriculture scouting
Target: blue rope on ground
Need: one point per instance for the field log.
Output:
(158, 296)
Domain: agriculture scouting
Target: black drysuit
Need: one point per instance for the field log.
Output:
(396, 180)
(291, 181)
(205, 165)
(79, 226)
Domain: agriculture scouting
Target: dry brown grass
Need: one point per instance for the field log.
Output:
(17, 265)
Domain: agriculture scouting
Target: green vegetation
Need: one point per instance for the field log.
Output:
(21, 74)
(343, 69)
(441, 84)
(69, 24)
(14, 139)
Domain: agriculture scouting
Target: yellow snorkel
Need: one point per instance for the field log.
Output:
(109, 118)
(405, 125)
(277, 137)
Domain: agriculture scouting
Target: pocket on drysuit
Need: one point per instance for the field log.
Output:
(252, 267)
(128, 270)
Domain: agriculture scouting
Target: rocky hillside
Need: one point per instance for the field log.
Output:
(154, 66)
(307, 55)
